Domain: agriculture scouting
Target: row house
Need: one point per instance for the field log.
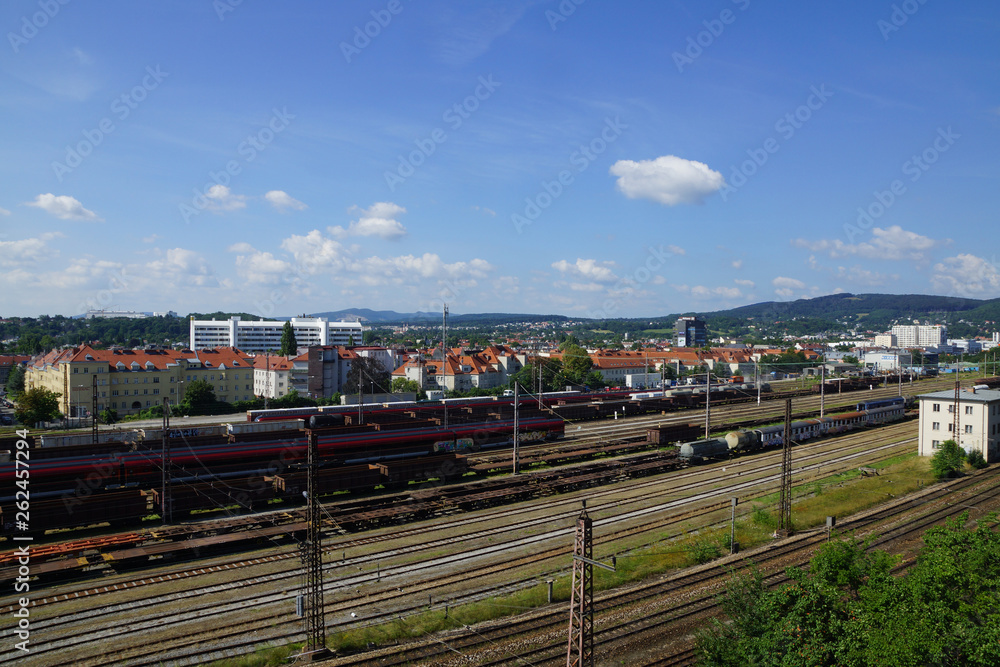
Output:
(132, 380)
(276, 376)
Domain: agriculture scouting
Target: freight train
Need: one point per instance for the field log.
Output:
(77, 481)
(739, 442)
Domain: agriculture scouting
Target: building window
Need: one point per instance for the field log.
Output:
(935, 444)
(157, 381)
(968, 409)
(87, 370)
(936, 426)
(968, 428)
(936, 407)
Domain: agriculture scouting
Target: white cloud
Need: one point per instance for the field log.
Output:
(702, 292)
(152, 238)
(4, 211)
(219, 198)
(745, 283)
(26, 251)
(589, 269)
(487, 211)
(676, 249)
(262, 268)
(894, 243)
(967, 275)
(668, 179)
(63, 207)
(179, 266)
(737, 264)
(314, 253)
(242, 246)
(785, 287)
(281, 200)
(377, 220)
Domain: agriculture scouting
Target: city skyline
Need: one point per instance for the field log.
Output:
(526, 157)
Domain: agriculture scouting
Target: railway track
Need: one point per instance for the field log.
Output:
(692, 595)
(200, 641)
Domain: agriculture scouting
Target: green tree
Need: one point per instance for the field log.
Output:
(367, 374)
(199, 398)
(576, 363)
(37, 405)
(948, 461)
(407, 386)
(109, 416)
(289, 346)
(15, 380)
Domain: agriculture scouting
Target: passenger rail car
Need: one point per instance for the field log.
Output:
(740, 442)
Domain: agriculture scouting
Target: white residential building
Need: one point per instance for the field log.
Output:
(885, 340)
(264, 335)
(914, 335)
(978, 421)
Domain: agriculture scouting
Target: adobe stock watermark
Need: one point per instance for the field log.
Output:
(248, 149)
(121, 108)
(381, 18)
(786, 127)
(455, 116)
(566, 9)
(714, 28)
(48, 9)
(898, 17)
(579, 160)
(915, 167)
(625, 288)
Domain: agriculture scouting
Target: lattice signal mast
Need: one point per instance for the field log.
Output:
(785, 508)
(581, 610)
(312, 559)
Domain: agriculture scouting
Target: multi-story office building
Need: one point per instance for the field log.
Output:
(691, 332)
(264, 335)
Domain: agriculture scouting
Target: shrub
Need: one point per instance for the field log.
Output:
(976, 460)
(949, 460)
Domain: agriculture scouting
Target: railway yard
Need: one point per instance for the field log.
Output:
(222, 584)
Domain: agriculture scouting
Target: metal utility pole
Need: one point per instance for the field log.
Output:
(756, 372)
(822, 389)
(444, 358)
(733, 547)
(580, 652)
(166, 511)
(517, 467)
(785, 507)
(93, 413)
(312, 560)
(956, 421)
(708, 403)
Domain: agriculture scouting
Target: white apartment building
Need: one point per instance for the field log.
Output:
(886, 340)
(914, 335)
(978, 425)
(264, 335)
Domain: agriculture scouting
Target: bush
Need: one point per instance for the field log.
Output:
(976, 460)
(703, 551)
(949, 460)
(108, 416)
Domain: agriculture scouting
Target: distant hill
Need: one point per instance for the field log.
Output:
(871, 306)
(377, 317)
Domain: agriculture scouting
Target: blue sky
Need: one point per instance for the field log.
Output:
(578, 158)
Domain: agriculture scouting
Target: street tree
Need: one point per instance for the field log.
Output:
(576, 363)
(37, 404)
(367, 374)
